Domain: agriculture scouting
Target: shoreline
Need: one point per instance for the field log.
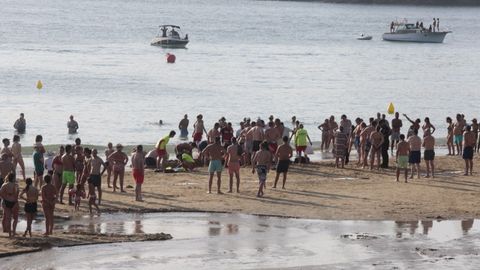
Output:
(314, 191)
(428, 3)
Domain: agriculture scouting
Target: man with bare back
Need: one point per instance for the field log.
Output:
(469, 138)
(17, 155)
(138, 171)
(365, 142)
(257, 136)
(49, 197)
(414, 158)
(214, 152)
(376, 138)
(213, 133)
(119, 160)
(261, 162)
(396, 126)
(198, 129)
(232, 160)
(272, 135)
(95, 164)
(68, 174)
(458, 133)
(282, 155)
(429, 153)
(403, 151)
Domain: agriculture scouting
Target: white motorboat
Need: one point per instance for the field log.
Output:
(169, 36)
(409, 32)
(364, 37)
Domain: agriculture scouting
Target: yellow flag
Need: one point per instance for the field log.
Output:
(391, 108)
(39, 85)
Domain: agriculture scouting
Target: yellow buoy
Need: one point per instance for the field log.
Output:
(39, 85)
(391, 108)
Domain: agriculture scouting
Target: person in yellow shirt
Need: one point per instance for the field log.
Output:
(301, 136)
(161, 147)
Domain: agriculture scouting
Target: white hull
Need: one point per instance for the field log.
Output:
(422, 37)
(169, 42)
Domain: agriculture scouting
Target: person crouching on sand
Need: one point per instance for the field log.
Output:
(138, 171)
(262, 160)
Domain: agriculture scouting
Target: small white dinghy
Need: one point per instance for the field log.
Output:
(364, 37)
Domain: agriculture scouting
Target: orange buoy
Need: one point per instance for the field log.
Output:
(171, 58)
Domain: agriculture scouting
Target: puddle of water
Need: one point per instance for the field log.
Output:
(211, 241)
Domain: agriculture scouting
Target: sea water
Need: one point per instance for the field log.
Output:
(244, 59)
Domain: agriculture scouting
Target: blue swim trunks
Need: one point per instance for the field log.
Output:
(215, 166)
(458, 139)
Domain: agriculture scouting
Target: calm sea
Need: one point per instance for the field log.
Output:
(246, 58)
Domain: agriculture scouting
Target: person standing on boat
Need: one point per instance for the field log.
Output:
(392, 27)
(434, 24)
(164, 31)
(438, 24)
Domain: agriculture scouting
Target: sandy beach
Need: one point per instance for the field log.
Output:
(315, 191)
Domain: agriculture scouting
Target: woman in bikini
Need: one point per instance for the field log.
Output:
(427, 127)
(325, 128)
(31, 198)
(9, 195)
(58, 168)
(450, 145)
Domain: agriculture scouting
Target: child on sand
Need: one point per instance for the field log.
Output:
(262, 160)
(403, 151)
(92, 198)
(79, 193)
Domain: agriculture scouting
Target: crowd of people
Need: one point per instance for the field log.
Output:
(261, 145)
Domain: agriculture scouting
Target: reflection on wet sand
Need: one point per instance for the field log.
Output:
(427, 225)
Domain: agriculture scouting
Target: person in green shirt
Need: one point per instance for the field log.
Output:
(161, 147)
(301, 136)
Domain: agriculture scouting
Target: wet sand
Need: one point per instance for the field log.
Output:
(317, 191)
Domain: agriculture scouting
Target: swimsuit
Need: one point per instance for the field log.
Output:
(282, 166)
(215, 166)
(429, 155)
(9, 204)
(414, 157)
(95, 180)
(30, 208)
(262, 173)
(138, 176)
(468, 152)
(402, 162)
(68, 177)
(458, 139)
